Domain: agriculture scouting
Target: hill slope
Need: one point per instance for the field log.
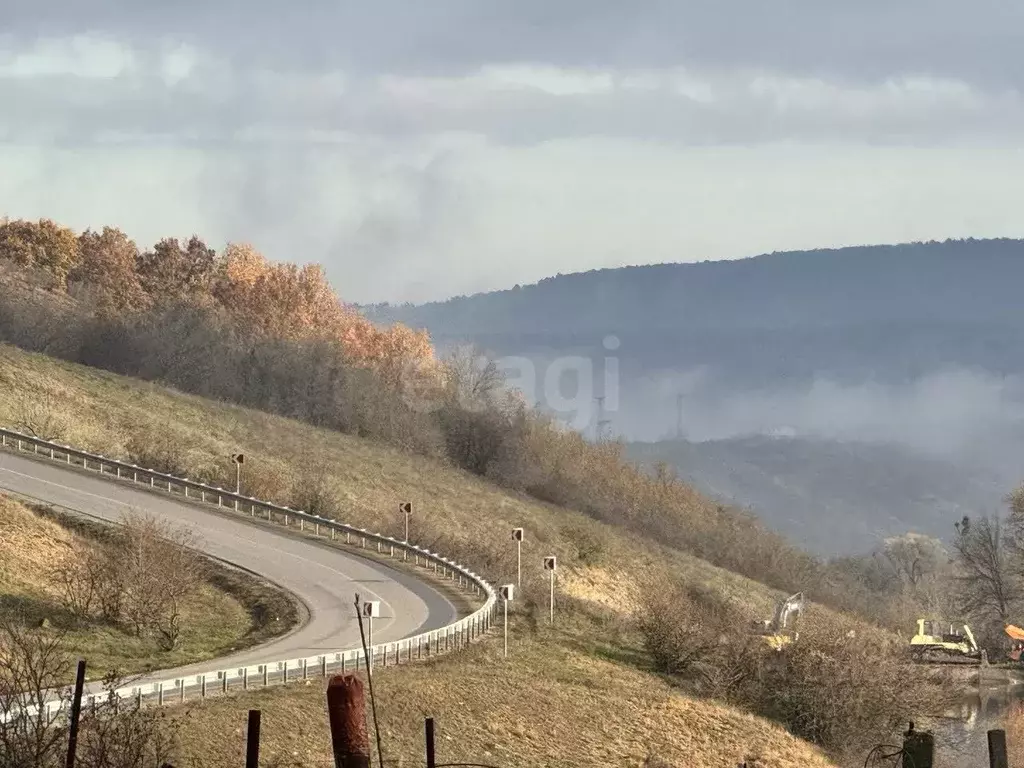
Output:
(603, 570)
(865, 491)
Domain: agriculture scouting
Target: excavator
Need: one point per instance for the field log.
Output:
(933, 643)
(780, 631)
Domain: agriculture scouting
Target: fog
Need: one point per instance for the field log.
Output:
(944, 413)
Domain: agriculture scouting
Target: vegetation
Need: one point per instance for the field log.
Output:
(33, 665)
(127, 600)
(236, 329)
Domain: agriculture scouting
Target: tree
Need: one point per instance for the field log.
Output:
(32, 664)
(173, 273)
(989, 586)
(107, 266)
(42, 244)
(914, 558)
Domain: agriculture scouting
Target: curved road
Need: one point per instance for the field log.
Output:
(324, 578)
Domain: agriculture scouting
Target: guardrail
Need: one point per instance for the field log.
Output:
(451, 637)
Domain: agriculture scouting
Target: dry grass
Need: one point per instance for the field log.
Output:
(103, 412)
(551, 703)
(214, 620)
(546, 704)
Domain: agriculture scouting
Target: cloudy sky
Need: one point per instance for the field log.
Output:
(425, 149)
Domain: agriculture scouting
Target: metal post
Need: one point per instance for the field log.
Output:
(252, 740)
(346, 712)
(551, 601)
(76, 712)
(504, 605)
(369, 642)
(431, 757)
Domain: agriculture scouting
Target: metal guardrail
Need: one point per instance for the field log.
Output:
(451, 637)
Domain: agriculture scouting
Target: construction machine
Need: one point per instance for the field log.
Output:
(1017, 642)
(941, 642)
(780, 630)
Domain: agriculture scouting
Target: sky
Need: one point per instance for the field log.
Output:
(421, 150)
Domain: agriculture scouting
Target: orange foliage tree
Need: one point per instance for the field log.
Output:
(107, 266)
(286, 301)
(43, 244)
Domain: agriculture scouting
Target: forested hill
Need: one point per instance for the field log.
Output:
(964, 281)
(895, 311)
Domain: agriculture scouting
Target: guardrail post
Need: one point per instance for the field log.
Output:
(245, 679)
(266, 675)
(224, 682)
(286, 673)
(202, 684)
(305, 669)
(181, 697)
(160, 699)
(323, 666)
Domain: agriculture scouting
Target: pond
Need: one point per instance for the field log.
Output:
(961, 737)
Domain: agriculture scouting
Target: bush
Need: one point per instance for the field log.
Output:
(837, 691)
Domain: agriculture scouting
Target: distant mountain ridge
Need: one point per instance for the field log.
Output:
(953, 281)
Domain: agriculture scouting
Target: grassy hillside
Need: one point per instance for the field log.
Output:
(604, 572)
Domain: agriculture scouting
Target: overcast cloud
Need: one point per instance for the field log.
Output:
(421, 150)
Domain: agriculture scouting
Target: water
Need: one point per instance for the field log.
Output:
(961, 739)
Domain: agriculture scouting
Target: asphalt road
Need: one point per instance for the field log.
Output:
(325, 579)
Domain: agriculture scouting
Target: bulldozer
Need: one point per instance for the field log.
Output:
(780, 631)
(933, 643)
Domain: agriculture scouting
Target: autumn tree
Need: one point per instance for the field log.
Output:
(172, 272)
(107, 265)
(42, 244)
(276, 300)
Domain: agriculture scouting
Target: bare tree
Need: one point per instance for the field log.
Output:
(988, 585)
(161, 568)
(79, 580)
(471, 378)
(913, 557)
(114, 735)
(33, 668)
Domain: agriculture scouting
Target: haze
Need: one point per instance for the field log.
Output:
(423, 151)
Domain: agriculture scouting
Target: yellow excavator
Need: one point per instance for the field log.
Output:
(937, 641)
(780, 631)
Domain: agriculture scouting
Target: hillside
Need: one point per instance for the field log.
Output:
(604, 571)
(865, 491)
(898, 372)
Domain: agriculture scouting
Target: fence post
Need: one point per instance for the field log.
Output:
(997, 749)
(76, 711)
(919, 746)
(429, 729)
(346, 711)
(252, 740)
